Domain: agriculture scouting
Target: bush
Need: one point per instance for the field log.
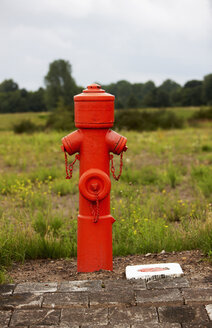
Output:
(26, 126)
(147, 121)
(203, 114)
(61, 119)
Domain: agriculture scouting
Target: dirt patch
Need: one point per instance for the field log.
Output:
(195, 267)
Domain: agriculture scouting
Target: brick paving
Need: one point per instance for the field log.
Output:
(164, 303)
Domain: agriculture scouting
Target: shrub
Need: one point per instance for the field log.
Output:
(147, 121)
(62, 118)
(26, 126)
(203, 114)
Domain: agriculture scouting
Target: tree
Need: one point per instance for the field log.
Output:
(62, 118)
(156, 98)
(207, 89)
(60, 85)
(132, 102)
(169, 86)
(191, 93)
(36, 101)
(12, 102)
(148, 87)
(8, 86)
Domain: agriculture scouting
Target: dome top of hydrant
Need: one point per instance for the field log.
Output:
(94, 87)
(94, 108)
(92, 92)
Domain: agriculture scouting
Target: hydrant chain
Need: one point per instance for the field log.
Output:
(113, 168)
(95, 212)
(69, 167)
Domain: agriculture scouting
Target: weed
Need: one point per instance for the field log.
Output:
(172, 175)
(4, 278)
(202, 175)
(64, 187)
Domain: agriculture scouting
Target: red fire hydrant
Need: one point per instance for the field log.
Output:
(94, 115)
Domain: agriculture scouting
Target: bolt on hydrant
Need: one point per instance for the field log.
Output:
(93, 141)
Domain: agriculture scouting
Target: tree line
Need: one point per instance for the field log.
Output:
(60, 87)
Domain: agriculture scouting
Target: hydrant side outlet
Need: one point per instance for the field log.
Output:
(94, 116)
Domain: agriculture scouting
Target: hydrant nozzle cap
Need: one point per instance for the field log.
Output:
(94, 87)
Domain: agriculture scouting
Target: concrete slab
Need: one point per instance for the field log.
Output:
(65, 300)
(197, 295)
(132, 315)
(20, 301)
(153, 271)
(112, 298)
(122, 284)
(159, 297)
(183, 314)
(38, 287)
(45, 317)
(83, 316)
(80, 286)
(166, 283)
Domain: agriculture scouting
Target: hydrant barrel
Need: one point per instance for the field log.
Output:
(94, 140)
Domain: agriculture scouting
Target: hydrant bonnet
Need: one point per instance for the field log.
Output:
(94, 108)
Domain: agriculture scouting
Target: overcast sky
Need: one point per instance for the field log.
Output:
(106, 40)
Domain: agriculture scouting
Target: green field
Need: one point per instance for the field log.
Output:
(7, 121)
(162, 201)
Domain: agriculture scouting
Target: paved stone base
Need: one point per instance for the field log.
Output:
(166, 303)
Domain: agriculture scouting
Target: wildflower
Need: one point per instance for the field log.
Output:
(146, 219)
(165, 226)
(164, 191)
(135, 232)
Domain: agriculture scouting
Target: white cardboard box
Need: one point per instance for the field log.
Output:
(153, 271)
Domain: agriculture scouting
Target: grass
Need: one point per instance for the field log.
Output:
(162, 201)
(9, 120)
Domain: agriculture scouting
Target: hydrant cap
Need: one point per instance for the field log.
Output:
(94, 108)
(94, 92)
(94, 87)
